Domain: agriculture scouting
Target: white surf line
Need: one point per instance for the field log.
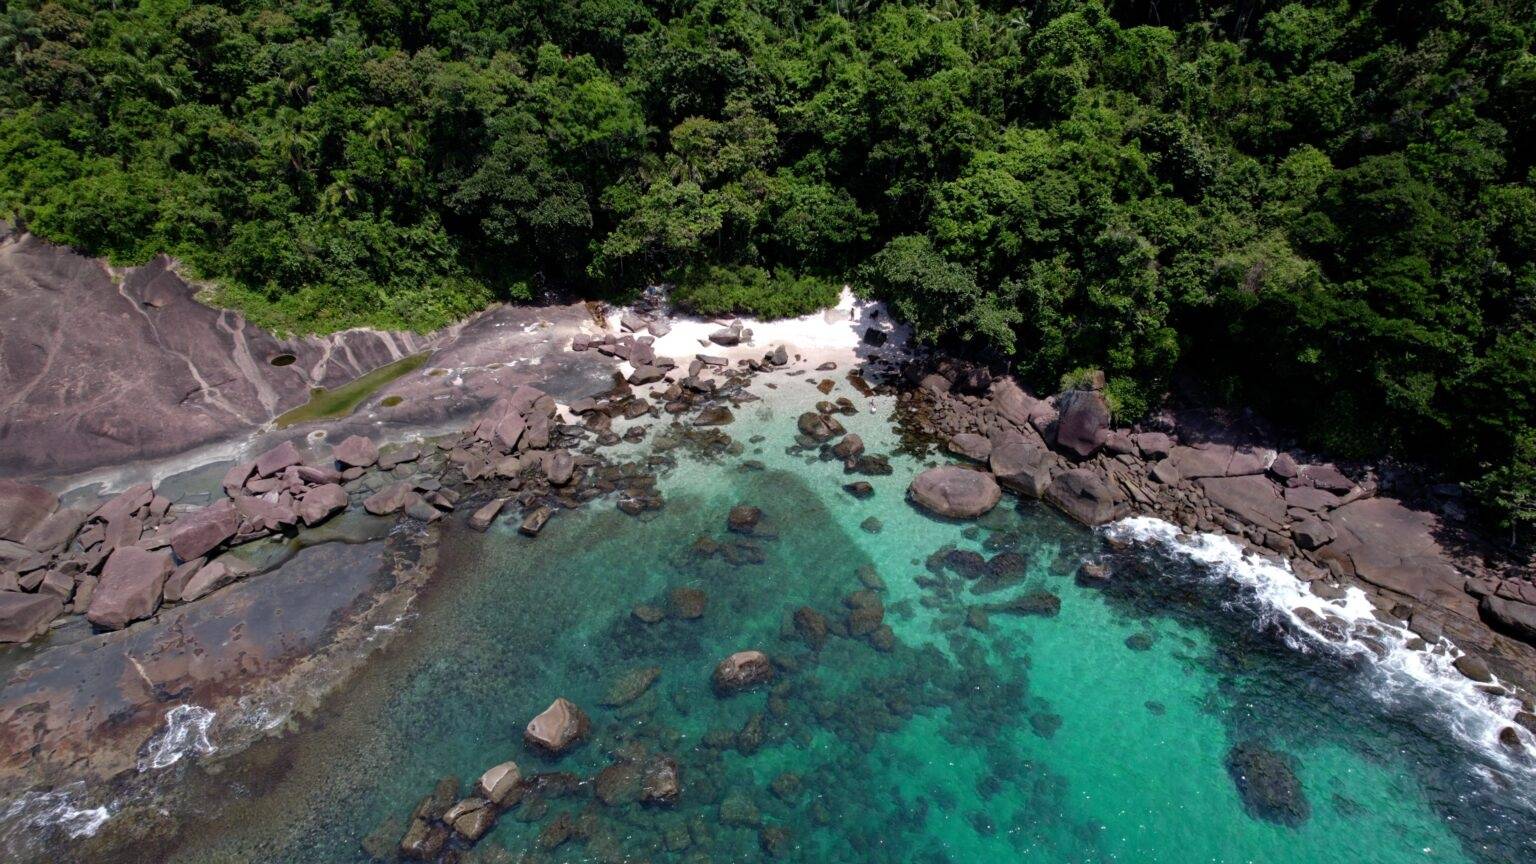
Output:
(1475, 716)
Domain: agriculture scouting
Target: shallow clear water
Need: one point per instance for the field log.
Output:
(1035, 739)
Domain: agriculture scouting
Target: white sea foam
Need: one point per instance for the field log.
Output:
(1349, 624)
(185, 733)
(26, 820)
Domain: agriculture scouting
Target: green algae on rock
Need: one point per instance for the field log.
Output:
(326, 404)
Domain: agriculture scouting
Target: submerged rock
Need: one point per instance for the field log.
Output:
(661, 783)
(1267, 782)
(1042, 603)
(743, 518)
(686, 603)
(812, 627)
(742, 671)
(631, 686)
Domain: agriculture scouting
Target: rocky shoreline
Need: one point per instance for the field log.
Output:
(1334, 530)
(136, 586)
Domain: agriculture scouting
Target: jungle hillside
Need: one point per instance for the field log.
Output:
(1325, 210)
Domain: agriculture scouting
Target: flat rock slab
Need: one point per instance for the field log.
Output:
(1252, 498)
(1394, 547)
(83, 708)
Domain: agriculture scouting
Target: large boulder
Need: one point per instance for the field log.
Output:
(1153, 445)
(22, 508)
(275, 460)
(23, 616)
(1020, 460)
(558, 728)
(201, 531)
(356, 452)
(1011, 402)
(498, 784)
(129, 588)
(1218, 460)
(1509, 617)
(321, 503)
(56, 530)
(851, 447)
(388, 500)
(1084, 422)
(1083, 495)
(955, 492)
(742, 671)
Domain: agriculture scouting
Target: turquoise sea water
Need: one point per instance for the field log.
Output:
(1045, 739)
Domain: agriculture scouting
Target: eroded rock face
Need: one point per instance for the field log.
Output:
(742, 671)
(130, 587)
(122, 394)
(955, 492)
(560, 727)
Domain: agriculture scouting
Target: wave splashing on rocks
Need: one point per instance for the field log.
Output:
(1477, 716)
(186, 732)
(29, 822)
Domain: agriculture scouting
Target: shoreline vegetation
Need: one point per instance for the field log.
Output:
(1323, 210)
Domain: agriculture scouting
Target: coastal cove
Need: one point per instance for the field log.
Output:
(616, 508)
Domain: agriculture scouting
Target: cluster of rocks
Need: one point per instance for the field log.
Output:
(1335, 529)
(117, 562)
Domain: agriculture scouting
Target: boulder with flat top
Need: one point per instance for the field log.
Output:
(129, 588)
(558, 728)
(201, 531)
(954, 492)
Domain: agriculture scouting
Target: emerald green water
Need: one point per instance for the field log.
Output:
(1036, 739)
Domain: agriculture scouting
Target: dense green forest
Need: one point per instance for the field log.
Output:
(1324, 209)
